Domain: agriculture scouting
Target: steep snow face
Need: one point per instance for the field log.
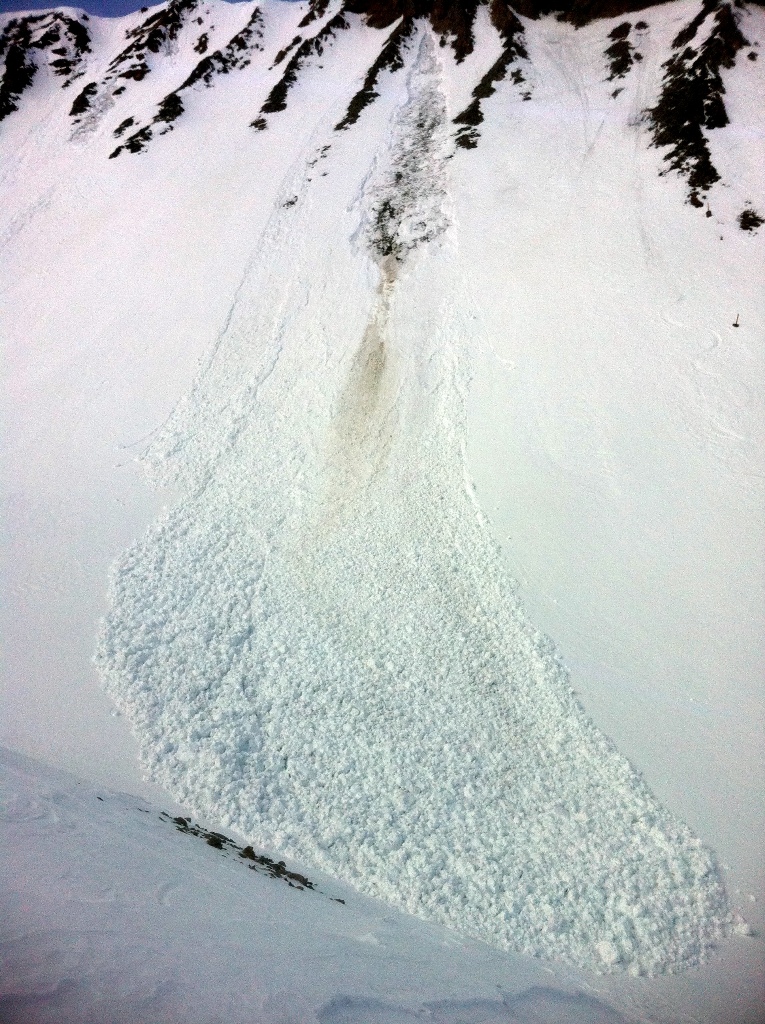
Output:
(320, 644)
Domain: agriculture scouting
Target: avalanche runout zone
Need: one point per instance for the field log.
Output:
(320, 645)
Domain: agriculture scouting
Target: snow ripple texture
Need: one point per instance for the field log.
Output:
(320, 645)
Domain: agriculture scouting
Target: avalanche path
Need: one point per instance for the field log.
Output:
(320, 645)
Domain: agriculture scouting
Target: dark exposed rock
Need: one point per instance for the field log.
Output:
(151, 36)
(621, 53)
(619, 59)
(315, 46)
(155, 32)
(136, 143)
(164, 25)
(750, 220)
(504, 19)
(688, 34)
(19, 73)
(137, 71)
(237, 53)
(24, 42)
(389, 59)
(285, 50)
(82, 101)
(582, 12)
(123, 127)
(316, 10)
(170, 108)
(453, 20)
(691, 98)
(621, 31)
(259, 862)
(382, 13)
(514, 49)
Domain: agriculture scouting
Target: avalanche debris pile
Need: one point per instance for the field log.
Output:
(320, 644)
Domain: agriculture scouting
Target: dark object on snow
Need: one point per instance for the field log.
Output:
(749, 219)
(274, 869)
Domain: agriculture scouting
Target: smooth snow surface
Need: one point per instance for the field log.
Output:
(320, 645)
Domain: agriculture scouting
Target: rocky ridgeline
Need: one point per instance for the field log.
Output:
(236, 54)
(691, 99)
(26, 43)
(690, 103)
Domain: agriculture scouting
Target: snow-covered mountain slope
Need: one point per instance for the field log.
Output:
(378, 293)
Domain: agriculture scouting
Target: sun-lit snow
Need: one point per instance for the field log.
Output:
(422, 370)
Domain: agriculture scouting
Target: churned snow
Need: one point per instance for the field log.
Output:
(321, 644)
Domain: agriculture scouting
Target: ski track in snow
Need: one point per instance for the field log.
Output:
(320, 645)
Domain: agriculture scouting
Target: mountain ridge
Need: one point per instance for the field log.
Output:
(689, 104)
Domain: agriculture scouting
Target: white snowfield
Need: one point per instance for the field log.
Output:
(409, 405)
